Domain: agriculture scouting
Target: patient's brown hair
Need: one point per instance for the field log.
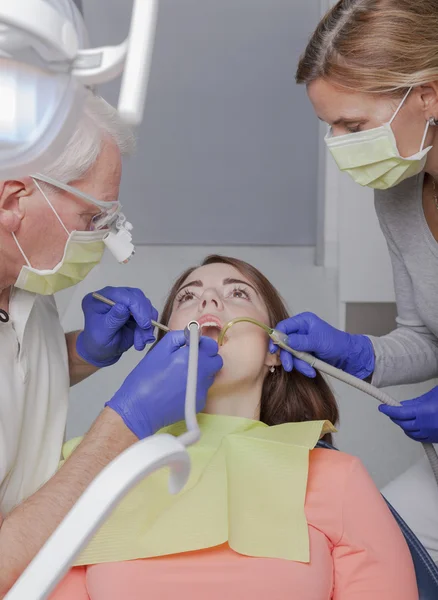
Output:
(286, 397)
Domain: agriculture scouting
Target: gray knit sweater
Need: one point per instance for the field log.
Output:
(409, 353)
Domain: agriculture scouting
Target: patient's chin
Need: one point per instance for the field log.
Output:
(235, 372)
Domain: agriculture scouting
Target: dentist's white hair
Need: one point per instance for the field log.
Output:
(99, 122)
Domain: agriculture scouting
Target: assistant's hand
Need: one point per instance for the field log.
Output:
(418, 418)
(111, 330)
(153, 395)
(308, 333)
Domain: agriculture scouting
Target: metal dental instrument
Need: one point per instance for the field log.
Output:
(109, 487)
(98, 296)
(281, 339)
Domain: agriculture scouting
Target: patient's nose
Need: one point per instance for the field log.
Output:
(210, 297)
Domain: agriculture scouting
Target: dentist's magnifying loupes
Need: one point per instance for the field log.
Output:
(44, 74)
(101, 497)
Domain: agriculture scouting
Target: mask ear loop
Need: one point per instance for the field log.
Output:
(56, 215)
(424, 136)
(21, 250)
(400, 105)
(398, 110)
(51, 206)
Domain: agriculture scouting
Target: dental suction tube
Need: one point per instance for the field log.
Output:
(192, 435)
(281, 339)
(111, 485)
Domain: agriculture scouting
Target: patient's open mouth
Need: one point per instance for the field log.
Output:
(210, 326)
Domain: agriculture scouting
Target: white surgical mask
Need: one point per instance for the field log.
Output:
(372, 158)
(83, 251)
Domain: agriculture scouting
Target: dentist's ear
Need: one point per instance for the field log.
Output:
(11, 213)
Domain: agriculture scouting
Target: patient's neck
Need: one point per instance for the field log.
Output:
(235, 400)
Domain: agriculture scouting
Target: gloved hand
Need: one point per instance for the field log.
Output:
(418, 418)
(306, 332)
(153, 395)
(111, 330)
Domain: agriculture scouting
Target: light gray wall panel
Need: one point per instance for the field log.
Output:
(229, 145)
(371, 318)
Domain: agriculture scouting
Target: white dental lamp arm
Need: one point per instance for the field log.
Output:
(132, 57)
(94, 507)
(94, 66)
(138, 61)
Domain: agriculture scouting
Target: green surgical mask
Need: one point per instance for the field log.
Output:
(83, 251)
(371, 157)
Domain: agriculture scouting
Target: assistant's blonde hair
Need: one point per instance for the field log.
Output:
(374, 46)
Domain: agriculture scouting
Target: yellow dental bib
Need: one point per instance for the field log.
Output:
(247, 487)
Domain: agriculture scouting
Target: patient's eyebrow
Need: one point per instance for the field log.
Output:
(227, 281)
(195, 283)
(230, 280)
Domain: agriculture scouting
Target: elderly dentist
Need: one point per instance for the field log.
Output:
(49, 240)
(371, 72)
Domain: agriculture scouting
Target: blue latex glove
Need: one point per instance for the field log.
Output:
(353, 354)
(153, 395)
(418, 418)
(110, 331)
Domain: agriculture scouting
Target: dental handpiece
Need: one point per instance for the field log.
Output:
(105, 300)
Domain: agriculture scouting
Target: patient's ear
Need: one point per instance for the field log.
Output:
(272, 360)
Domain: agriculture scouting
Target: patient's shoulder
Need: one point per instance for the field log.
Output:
(337, 463)
(331, 476)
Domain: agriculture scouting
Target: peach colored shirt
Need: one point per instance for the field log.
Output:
(357, 552)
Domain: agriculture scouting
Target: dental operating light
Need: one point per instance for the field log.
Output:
(44, 74)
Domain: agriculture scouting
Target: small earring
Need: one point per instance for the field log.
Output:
(272, 369)
(433, 122)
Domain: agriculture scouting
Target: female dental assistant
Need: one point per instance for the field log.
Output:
(371, 71)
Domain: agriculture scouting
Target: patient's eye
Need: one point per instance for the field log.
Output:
(239, 292)
(185, 296)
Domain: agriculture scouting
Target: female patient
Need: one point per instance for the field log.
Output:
(356, 549)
